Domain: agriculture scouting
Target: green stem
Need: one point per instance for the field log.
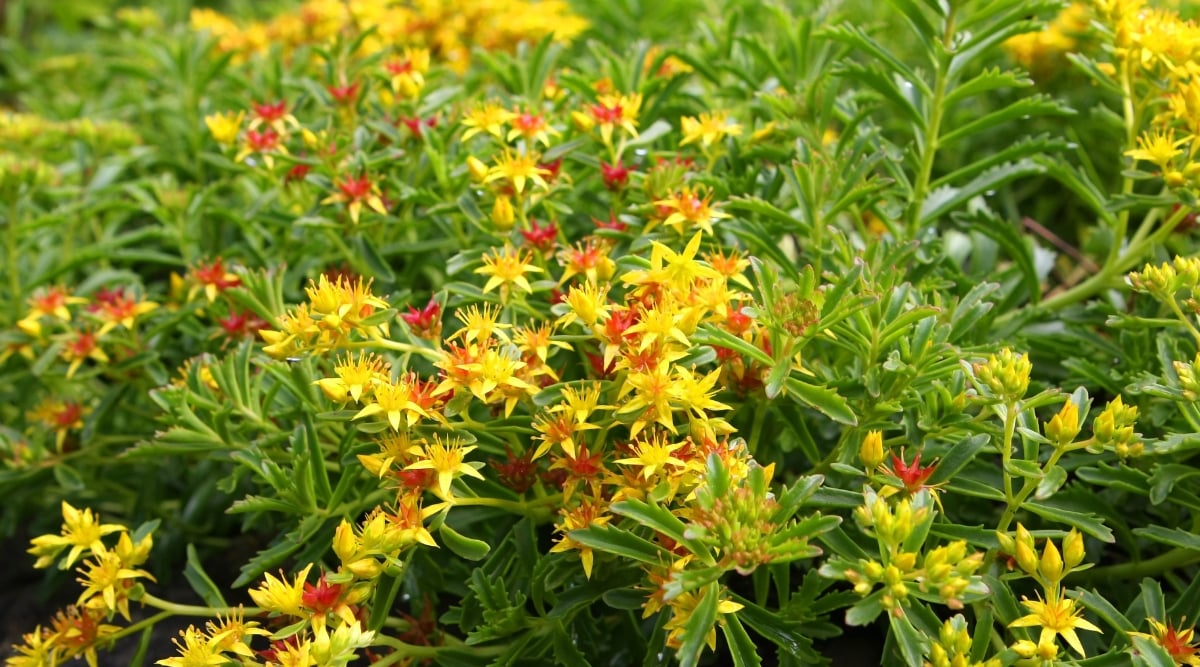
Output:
(932, 132)
(1027, 488)
(176, 609)
(1010, 425)
(1171, 560)
(1187, 322)
(1134, 253)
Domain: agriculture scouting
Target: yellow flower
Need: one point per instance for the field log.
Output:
(395, 400)
(588, 304)
(518, 169)
(196, 650)
(689, 208)
(277, 595)
(653, 455)
(447, 459)
(225, 126)
(589, 513)
(682, 607)
(81, 530)
(611, 112)
(230, 633)
(480, 324)
(1157, 146)
(37, 650)
(694, 394)
(536, 342)
(677, 269)
(488, 117)
(507, 266)
(652, 396)
(1055, 616)
(105, 575)
(708, 129)
(354, 377)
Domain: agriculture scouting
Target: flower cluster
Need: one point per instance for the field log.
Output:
(450, 30)
(109, 575)
(1055, 613)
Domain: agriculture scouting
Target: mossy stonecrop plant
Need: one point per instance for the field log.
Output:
(583, 357)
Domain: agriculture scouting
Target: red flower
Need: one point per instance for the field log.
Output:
(270, 112)
(297, 173)
(322, 597)
(344, 95)
(243, 324)
(541, 238)
(912, 475)
(426, 322)
(612, 223)
(516, 472)
(262, 142)
(616, 176)
(553, 168)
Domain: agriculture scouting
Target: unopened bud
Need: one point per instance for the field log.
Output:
(1026, 557)
(1052, 563)
(905, 560)
(1064, 426)
(477, 169)
(503, 215)
(1073, 549)
(870, 453)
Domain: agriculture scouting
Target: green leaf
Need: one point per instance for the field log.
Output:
(1053, 480)
(1150, 654)
(1105, 610)
(1037, 105)
(1176, 537)
(986, 81)
(912, 644)
(1089, 524)
(566, 651)
(825, 400)
(621, 542)
(657, 518)
(695, 631)
(959, 457)
(741, 647)
(200, 581)
(466, 547)
(946, 199)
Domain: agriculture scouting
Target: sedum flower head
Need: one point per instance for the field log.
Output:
(81, 531)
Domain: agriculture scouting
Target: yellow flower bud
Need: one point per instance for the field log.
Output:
(366, 568)
(477, 169)
(1026, 557)
(874, 570)
(344, 542)
(871, 450)
(905, 560)
(503, 215)
(1064, 426)
(1006, 374)
(582, 121)
(1007, 544)
(1052, 563)
(1175, 179)
(1073, 549)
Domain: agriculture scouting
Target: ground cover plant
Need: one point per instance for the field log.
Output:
(521, 333)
